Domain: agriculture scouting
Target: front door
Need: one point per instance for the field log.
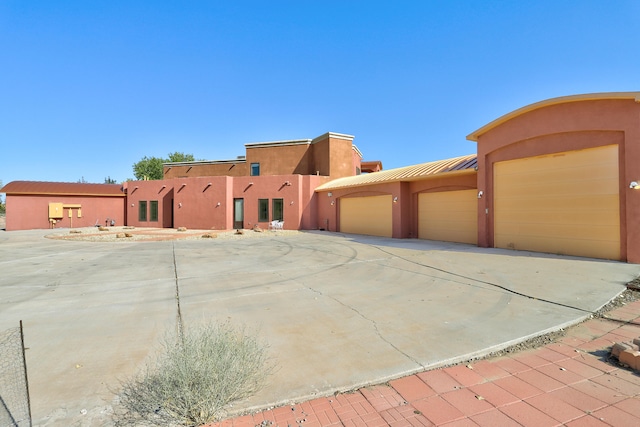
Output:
(238, 214)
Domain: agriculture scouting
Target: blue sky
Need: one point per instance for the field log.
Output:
(87, 88)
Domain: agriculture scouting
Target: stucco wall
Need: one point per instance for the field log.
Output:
(148, 191)
(565, 127)
(239, 168)
(404, 210)
(281, 160)
(208, 202)
(32, 212)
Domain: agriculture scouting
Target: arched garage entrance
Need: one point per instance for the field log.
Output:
(371, 215)
(564, 203)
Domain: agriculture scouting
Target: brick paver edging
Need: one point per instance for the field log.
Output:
(570, 382)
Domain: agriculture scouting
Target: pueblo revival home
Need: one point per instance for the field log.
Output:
(559, 176)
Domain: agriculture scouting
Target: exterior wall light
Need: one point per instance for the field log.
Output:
(395, 199)
(333, 203)
(218, 204)
(480, 194)
(329, 194)
(634, 185)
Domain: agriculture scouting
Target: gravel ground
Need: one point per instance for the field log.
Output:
(110, 234)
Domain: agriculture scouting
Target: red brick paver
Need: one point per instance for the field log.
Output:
(570, 382)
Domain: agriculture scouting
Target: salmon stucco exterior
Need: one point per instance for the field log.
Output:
(33, 205)
(559, 176)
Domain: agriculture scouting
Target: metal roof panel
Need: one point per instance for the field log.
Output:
(406, 173)
(62, 188)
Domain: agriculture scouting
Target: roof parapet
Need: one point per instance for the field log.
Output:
(473, 136)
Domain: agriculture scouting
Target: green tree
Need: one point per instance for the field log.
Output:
(148, 168)
(108, 180)
(180, 157)
(151, 167)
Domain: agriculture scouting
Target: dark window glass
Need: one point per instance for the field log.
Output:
(277, 213)
(153, 210)
(255, 169)
(142, 210)
(263, 210)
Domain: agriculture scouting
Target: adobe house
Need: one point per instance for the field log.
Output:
(34, 204)
(558, 176)
(273, 181)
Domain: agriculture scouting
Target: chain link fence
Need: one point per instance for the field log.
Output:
(14, 389)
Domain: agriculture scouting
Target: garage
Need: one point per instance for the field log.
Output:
(371, 215)
(449, 216)
(564, 203)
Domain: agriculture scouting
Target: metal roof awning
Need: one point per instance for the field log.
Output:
(463, 164)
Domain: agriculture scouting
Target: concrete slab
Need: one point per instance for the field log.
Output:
(339, 311)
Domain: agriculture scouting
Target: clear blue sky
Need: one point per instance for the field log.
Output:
(87, 88)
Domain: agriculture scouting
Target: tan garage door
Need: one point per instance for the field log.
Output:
(450, 216)
(565, 203)
(367, 215)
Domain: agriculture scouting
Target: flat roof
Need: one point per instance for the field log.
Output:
(552, 101)
(267, 145)
(463, 164)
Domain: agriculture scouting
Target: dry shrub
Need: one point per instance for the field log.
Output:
(195, 378)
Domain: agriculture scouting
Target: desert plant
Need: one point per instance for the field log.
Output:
(195, 377)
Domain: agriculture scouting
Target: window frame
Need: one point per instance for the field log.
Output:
(153, 211)
(254, 169)
(142, 211)
(274, 216)
(263, 210)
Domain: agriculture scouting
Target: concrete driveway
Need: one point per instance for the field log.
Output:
(339, 311)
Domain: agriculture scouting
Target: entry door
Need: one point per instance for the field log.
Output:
(238, 213)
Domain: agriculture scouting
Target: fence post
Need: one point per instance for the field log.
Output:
(26, 379)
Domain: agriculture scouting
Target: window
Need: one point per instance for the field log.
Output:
(277, 213)
(255, 169)
(263, 210)
(153, 210)
(358, 171)
(142, 210)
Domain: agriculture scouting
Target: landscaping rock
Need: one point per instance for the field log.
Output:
(182, 228)
(209, 236)
(121, 235)
(239, 232)
(101, 228)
